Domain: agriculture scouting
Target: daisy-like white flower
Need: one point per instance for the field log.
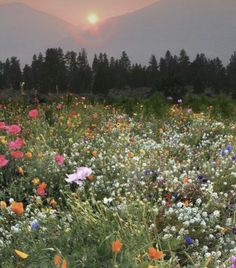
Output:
(79, 176)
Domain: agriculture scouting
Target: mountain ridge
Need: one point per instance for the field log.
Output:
(198, 26)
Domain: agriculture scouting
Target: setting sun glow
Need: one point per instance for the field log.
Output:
(92, 18)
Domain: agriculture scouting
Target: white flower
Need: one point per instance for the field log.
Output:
(216, 213)
(79, 176)
(107, 201)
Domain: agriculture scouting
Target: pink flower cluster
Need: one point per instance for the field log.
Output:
(11, 129)
(33, 113)
(59, 159)
(17, 144)
(3, 161)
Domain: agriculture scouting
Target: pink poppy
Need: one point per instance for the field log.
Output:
(59, 106)
(33, 113)
(16, 154)
(13, 129)
(41, 191)
(3, 126)
(59, 159)
(17, 144)
(3, 160)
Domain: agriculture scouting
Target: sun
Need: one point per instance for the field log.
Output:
(92, 18)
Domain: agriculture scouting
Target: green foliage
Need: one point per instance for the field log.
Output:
(160, 174)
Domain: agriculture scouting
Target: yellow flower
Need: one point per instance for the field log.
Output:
(53, 203)
(3, 205)
(20, 171)
(94, 153)
(40, 155)
(36, 181)
(222, 230)
(142, 151)
(21, 254)
(3, 140)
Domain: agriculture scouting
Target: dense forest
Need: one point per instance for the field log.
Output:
(172, 75)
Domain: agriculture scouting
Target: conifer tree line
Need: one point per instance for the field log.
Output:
(173, 75)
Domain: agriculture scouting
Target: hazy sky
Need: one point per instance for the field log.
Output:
(76, 11)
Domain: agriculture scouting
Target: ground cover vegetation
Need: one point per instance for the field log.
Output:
(91, 184)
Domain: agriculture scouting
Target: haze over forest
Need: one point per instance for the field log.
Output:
(206, 26)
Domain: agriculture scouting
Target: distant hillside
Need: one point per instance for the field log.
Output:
(25, 31)
(207, 26)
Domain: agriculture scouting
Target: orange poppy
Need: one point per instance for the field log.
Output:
(17, 207)
(90, 178)
(130, 154)
(28, 155)
(186, 180)
(59, 261)
(155, 254)
(43, 185)
(116, 246)
(64, 264)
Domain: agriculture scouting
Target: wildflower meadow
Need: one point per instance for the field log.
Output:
(85, 184)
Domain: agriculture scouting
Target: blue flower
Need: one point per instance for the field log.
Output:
(35, 225)
(147, 172)
(229, 148)
(189, 240)
(234, 230)
(201, 178)
(234, 157)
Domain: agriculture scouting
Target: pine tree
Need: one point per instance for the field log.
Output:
(199, 73)
(72, 71)
(15, 73)
(1, 75)
(54, 70)
(27, 77)
(37, 72)
(84, 72)
(231, 74)
(216, 75)
(153, 72)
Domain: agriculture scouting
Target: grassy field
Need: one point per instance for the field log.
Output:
(85, 184)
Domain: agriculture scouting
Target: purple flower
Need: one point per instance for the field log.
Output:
(189, 110)
(201, 178)
(147, 172)
(189, 240)
(233, 261)
(35, 225)
(79, 176)
(234, 231)
(234, 157)
(180, 101)
(229, 148)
